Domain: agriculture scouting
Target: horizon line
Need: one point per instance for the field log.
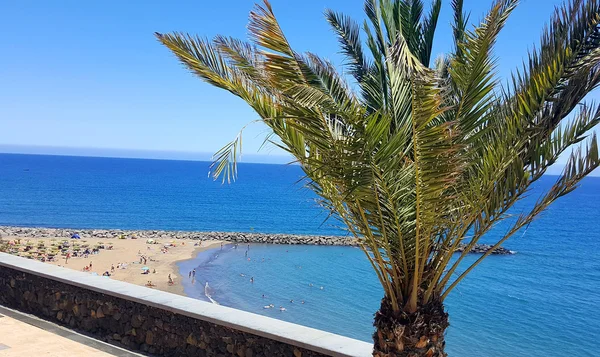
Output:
(144, 154)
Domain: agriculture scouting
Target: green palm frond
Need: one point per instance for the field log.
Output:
(429, 26)
(348, 33)
(459, 26)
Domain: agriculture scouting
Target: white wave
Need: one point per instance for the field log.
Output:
(207, 294)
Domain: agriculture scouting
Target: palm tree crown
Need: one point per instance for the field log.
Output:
(416, 159)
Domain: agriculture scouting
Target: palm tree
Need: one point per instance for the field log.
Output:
(416, 159)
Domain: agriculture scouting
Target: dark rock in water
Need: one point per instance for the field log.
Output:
(483, 248)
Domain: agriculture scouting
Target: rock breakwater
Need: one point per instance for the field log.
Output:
(235, 237)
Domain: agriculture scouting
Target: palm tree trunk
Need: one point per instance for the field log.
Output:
(410, 335)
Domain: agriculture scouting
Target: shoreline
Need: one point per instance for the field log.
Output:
(174, 267)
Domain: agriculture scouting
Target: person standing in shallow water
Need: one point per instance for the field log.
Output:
(190, 274)
(194, 273)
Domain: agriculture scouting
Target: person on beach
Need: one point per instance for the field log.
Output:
(170, 280)
(90, 265)
(112, 268)
(67, 257)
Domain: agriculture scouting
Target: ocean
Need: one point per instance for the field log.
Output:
(543, 301)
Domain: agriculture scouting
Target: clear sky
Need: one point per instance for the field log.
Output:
(90, 74)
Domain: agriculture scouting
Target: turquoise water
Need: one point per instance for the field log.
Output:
(541, 302)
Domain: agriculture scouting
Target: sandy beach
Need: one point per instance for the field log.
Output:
(127, 258)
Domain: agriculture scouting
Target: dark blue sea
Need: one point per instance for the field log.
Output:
(543, 301)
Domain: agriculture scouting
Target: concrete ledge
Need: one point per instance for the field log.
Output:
(318, 341)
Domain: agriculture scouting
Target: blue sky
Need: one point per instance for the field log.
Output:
(90, 74)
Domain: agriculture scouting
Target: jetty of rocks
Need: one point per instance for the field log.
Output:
(235, 237)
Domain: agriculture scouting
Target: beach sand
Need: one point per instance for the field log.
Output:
(129, 251)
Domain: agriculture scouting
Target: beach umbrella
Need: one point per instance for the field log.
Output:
(75, 236)
(145, 268)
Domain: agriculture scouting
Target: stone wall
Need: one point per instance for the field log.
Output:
(142, 327)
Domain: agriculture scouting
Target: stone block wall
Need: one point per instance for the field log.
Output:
(133, 325)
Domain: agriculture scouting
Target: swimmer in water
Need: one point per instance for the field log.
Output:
(263, 296)
(310, 284)
(252, 279)
(292, 301)
(281, 308)
(302, 301)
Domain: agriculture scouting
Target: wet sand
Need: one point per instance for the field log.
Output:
(129, 252)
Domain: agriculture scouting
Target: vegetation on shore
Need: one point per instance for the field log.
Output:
(416, 158)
